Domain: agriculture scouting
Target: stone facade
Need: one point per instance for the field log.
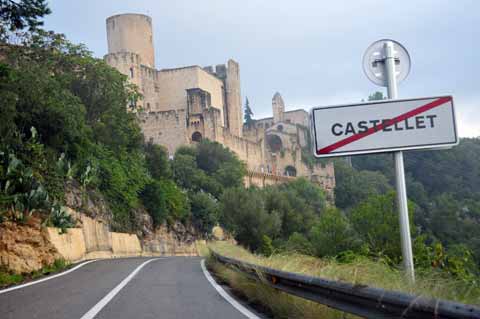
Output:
(181, 106)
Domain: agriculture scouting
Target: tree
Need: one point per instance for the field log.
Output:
(205, 211)
(377, 96)
(248, 120)
(244, 215)
(376, 222)
(77, 105)
(353, 187)
(157, 161)
(153, 198)
(297, 203)
(299, 243)
(17, 15)
(208, 167)
(333, 234)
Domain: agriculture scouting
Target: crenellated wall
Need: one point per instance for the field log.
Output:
(167, 128)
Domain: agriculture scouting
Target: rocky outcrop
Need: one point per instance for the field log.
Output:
(90, 203)
(29, 247)
(25, 247)
(176, 240)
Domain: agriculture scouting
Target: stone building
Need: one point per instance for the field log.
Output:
(184, 105)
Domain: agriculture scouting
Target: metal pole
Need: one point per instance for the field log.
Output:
(399, 171)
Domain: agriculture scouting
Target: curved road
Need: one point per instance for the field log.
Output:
(170, 287)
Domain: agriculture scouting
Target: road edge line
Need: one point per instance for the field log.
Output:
(47, 278)
(225, 295)
(108, 297)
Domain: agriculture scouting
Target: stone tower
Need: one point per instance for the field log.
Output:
(131, 33)
(278, 107)
(234, 100)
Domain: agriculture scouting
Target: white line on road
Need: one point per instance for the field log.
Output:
(105, 300)
(47, 278)
(226, 296)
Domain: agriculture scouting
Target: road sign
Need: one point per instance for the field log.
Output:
(374, 59)
(384, 126)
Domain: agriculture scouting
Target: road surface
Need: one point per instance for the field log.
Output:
(130, 288)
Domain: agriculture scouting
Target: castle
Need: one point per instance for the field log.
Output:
(182, 106)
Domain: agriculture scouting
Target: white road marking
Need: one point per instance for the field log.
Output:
(105, 300)
(47, 278)
(226, 296)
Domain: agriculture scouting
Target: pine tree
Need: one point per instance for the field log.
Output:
(248, 114)
(17, 15)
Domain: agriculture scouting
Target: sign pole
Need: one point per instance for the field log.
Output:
(399, 171)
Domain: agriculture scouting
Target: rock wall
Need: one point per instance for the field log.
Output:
(94, 240)
(28, 247)
(25, 247)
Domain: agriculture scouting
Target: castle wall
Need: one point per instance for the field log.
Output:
(128, 64)
(131, 33)
(167, 128)
(297, 117)
(249, 152)
(168, 89)
(214, 86)
(258, 179)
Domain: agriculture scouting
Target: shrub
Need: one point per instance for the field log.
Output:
(244, 215)
(204, 211)
(154, 200)
(298, 243)
(332, 234)
(376, 222)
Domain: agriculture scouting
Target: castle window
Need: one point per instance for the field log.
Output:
(148, 106)
(280, 128)
(131, 73)
(289, 121)
(196, 137)
(290, 171)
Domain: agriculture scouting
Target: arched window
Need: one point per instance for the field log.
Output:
(290, 171)
(196, 137)
(131, 73)
(274, 143)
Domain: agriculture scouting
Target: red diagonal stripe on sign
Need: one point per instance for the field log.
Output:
(380, 127)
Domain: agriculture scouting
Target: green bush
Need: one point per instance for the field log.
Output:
(244, 215)
(333, 234)
(376, 222)
(205, 211)
(154, 200)
(176, 201)
(266, 248)
(298, 243)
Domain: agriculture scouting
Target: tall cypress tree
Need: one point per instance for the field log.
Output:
(248, 114)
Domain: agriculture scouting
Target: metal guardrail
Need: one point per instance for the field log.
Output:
(360, 300)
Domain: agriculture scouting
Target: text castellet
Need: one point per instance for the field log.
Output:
(386, 125)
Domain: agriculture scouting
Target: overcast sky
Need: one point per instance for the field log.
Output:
(308, 50)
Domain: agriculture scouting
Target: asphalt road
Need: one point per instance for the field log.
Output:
(172, 287)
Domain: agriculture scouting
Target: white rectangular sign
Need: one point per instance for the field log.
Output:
(384, 126)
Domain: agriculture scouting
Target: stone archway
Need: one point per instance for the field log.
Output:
(290, 171)
(196, 137)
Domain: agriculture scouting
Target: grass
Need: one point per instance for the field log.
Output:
(8, 279)
(360, 271)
